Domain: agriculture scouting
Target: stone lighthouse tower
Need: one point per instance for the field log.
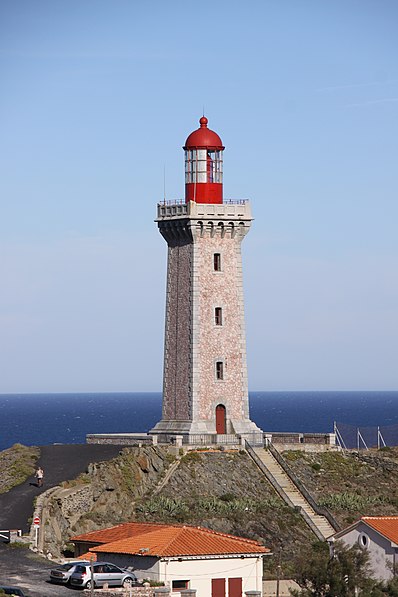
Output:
(205, 388)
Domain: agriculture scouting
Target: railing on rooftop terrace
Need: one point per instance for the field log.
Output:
(225, 202)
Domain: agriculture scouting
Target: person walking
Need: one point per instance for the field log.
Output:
(39, 476)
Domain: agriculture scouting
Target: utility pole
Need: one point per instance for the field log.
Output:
(278, 572)
(92, 577)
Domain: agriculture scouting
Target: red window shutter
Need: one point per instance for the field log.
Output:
(234, 587)
(218, 587)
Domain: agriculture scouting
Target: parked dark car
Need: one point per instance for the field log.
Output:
(62, 573)
(12, 591)
(103, 572)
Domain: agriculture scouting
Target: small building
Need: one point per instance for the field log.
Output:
(183, 557)
(379, 536)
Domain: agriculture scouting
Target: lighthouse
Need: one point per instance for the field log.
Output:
(205, 387)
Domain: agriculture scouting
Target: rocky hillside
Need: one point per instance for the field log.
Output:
(350, 484)
(221, 490)
(225, 491)
(105, 495)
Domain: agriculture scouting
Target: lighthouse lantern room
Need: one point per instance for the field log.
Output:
(205, 388)
(203, 165)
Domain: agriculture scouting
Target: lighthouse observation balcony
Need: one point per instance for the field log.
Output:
(229, 209)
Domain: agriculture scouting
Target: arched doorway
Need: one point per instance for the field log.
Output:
(221, 419)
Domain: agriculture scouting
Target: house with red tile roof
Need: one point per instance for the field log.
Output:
(215, 564)
(379, 536)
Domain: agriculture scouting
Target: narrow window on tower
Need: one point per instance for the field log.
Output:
(218, 316)
(219, 370)
(217, 262)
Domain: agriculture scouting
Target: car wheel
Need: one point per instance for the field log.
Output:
(88, 585)
(128, 582)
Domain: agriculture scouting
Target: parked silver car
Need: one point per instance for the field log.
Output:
(62, 573)
(103, 572)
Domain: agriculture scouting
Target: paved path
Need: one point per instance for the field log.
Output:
(22, 568)
(60, 463)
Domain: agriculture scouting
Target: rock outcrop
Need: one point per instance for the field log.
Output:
(103, 496)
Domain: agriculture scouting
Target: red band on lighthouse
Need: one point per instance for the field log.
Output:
(203, 165)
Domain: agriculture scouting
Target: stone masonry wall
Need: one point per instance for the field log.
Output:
(226, 342)
(193, 341)
(177, 362)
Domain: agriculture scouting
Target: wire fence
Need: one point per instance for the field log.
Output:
(362, 438)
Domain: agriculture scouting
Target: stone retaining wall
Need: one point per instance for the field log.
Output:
(121, 439)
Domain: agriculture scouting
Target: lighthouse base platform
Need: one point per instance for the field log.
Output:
(201, 431)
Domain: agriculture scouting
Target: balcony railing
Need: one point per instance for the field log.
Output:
(182, 202)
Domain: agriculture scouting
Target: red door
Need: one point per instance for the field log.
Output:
(220, 419)
(218, 587)
(234, 587)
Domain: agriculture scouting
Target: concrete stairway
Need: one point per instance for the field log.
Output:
(166, 478)
(291, 494)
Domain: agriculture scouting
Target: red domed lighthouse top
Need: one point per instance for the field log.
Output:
(203, 137)
(203, 165)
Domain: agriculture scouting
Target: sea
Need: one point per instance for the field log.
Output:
(42, 419)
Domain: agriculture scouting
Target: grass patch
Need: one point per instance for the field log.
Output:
(17, 464)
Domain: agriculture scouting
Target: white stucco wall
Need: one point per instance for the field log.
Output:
(201, 572)
(198, 572)
(381, 553)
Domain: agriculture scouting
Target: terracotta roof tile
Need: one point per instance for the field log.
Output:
(177, 540)
(386, 525)
(88, 556)
(120, 531)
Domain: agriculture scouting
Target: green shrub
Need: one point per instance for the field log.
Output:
(227, 497)
(191, 457)
(292, 455)
(165, 508)
(351, 502)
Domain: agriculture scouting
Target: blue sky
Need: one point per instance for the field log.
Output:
(97, 98)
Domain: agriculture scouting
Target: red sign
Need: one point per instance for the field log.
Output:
(36, 520)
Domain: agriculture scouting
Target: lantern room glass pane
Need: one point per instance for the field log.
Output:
(203, 165)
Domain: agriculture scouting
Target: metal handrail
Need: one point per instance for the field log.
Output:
(322, 511)
(281, 492)
(182, 202)
(266, 472)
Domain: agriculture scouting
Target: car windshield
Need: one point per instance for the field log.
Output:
(65, 567)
